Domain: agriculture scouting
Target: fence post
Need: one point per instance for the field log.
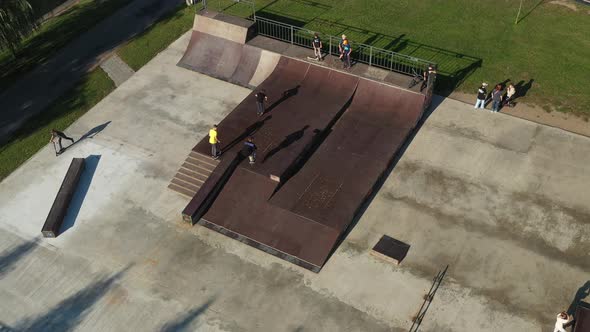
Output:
(330, 47)
(391, 62)
(291, 35)
(370, 55)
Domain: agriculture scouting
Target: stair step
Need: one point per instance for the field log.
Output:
(197, 168)
(182, 190)
(189, 179)
(200, 162)
(192, 174)
(204, 158)
(185, 184)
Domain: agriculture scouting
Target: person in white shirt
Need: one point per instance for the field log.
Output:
(562, 319)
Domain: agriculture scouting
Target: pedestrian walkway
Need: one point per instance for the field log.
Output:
(36, 90)
(117, 69)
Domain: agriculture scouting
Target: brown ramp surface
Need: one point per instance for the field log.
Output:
(243, 121)
(241, 211)
(221, 58)
(340, 175)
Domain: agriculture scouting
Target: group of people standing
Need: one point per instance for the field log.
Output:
(344, 49)
(500, 97)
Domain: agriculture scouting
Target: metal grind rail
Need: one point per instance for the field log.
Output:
(428, 300)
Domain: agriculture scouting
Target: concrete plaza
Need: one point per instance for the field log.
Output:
(502, 201)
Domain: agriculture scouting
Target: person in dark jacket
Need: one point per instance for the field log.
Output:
(57, 135)
(249, 150)
(497, 98)
(482, 95)
(260, 99)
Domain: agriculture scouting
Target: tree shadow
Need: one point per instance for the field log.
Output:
(274, 10)
(286, 142)
(253, 128)
(67, 75)
(10, 257)
(183, 322)
(68, 314)
(90, 166)
(581, 294)
(530, 11)
(286, 95)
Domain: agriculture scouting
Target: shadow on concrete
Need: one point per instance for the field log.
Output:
(90, 166)
(288, 140)
(251, 130)
(582, 294)
(10, 257)
(94, 131)
(67, 314)
(183, 322)
(90, 134)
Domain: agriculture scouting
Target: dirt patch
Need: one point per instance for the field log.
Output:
(565, 3)
(566, 121)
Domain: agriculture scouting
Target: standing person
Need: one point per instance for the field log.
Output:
(57, 135)
(510, 92)
(562, 319)
(317, 46)
(497, 98)
(341, 44)
(431, 70)
(345, 56)
(482, 95)
(249, 150)
(260, 99)
(214, 141)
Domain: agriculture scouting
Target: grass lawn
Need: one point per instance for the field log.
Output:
(147, 45)
(52, 36)
(34, 135)
(471, 40)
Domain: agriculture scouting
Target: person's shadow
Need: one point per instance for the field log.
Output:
(522, 88)
(289, 139)
(286, 95)
(251, 130)
(90, 134)
(582, 294)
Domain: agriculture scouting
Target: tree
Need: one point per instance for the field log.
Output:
(16, 22)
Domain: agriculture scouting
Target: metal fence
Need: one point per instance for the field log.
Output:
(362, 53)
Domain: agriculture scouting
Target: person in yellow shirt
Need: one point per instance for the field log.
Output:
(214, 141)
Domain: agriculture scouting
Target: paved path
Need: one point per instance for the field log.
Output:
(117, 69)
(34, 92)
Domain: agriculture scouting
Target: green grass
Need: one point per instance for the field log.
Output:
(471, 40)
(34, 135)
(147, 45)
(52, 36)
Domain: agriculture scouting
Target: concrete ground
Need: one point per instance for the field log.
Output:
(502, 201)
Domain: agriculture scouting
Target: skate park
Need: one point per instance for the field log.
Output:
(498, 199)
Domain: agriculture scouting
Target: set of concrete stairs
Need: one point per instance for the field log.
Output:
(192, 174)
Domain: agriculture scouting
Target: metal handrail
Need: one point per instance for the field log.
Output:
(370, 55)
